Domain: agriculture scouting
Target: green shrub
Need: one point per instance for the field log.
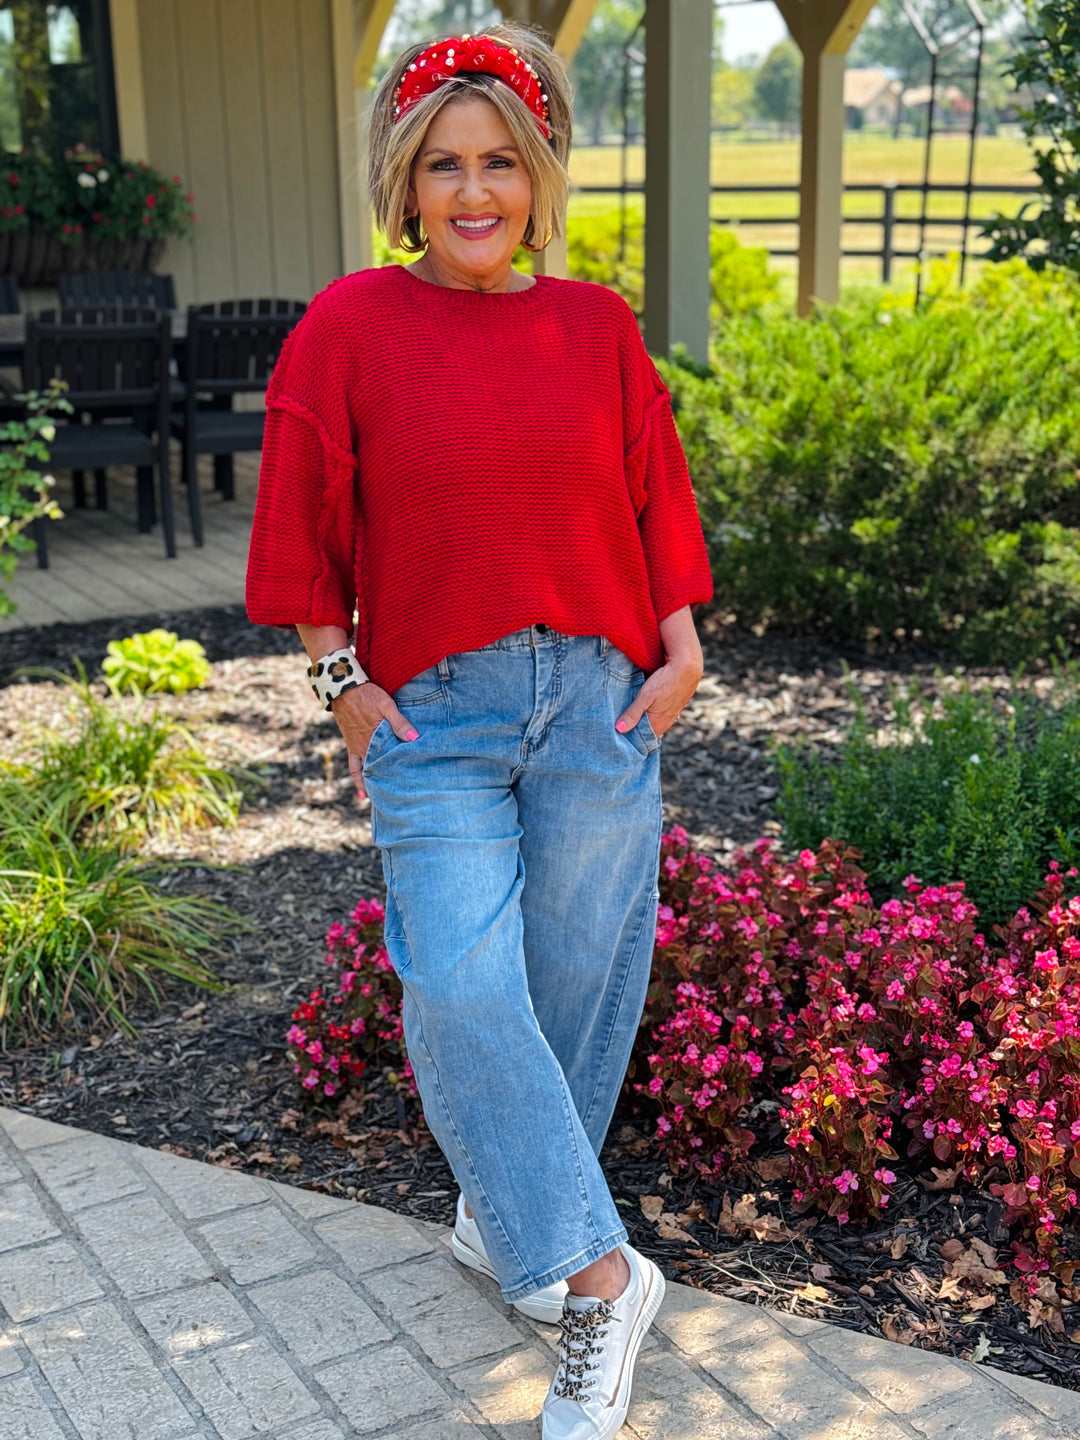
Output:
(741, 281)
(987, 788)
(882, 471)
(84, 927)
(129, 773)
(155, 660)
(24, 486)
(592, 253)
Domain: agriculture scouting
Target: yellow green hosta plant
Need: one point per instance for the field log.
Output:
(153, 661)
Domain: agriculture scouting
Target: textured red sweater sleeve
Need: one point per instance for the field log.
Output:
(301, 564)
(676, 557)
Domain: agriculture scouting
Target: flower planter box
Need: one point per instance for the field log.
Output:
(36, 258)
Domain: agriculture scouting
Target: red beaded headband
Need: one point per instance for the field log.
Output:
(476, 54)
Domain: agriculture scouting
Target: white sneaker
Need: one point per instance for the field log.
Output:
(602, 1336)
(545, 1304)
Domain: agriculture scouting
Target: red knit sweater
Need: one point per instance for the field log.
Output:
(453, 465)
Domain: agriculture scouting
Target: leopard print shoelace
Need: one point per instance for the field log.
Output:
(581, 1329)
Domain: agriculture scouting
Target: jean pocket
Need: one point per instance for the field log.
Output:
(378, 736)
(424, 688)
(620, 667)
(648, 734)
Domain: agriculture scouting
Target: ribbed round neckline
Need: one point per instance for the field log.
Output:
(452, 295)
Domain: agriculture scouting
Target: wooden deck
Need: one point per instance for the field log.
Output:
(100, 567)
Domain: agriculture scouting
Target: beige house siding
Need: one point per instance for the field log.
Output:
(239, 100)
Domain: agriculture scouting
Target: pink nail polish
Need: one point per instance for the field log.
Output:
(412, 735)
(620, 724)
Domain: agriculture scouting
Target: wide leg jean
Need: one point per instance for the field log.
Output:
(520, 843)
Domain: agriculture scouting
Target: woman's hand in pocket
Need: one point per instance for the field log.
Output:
(664, 695)
(359, 713)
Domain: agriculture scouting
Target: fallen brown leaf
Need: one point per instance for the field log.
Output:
(821, 1271)
(892, 1330)
(810, 1291)
(651, 1206)
(971, 1266)
(981, 1302)
(667, 1229)
(899, 1246)
(943, 1179)
(952, 1249)
(773, 1167)
(951, 1289)
(988, 1253)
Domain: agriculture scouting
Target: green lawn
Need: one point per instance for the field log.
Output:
(867, 159)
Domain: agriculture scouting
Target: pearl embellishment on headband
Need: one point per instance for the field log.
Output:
(480, 55)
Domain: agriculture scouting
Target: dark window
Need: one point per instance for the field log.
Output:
(56, 76)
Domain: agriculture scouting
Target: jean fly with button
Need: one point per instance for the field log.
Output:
(520, 843)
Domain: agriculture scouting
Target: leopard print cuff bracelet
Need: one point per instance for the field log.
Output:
(334, 674)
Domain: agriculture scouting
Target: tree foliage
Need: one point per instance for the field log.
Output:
(778, 86)
(1047, 231)
(596, 72)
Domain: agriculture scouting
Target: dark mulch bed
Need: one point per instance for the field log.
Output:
(207, 1075)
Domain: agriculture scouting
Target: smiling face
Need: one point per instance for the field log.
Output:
(473, 192)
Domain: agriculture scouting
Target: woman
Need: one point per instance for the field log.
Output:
(483, 466)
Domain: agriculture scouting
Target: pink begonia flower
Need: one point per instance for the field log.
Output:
(663, 1124)
(807, 859)
(845, 1181)
(1046, 960)
(885, 1176)
(895, 991)
(311, 1080)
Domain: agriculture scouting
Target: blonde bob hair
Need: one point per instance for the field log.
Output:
(394, 146)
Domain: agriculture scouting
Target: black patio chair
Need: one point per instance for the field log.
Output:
(106, 312)
(9, 295)
(118, 365)
(232, 347)
(113, 287)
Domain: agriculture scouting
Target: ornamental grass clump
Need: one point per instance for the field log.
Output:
(355, 1018)
(129, 772)
(84, 926)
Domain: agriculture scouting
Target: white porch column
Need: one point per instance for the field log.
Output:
(824, 31)
(678, 82)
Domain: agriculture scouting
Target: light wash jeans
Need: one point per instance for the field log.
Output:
(520, 842)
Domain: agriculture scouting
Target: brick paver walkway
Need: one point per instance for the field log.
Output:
(145, 1297)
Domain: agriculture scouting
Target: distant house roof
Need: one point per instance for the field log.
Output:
(863, 86)
(920, 95)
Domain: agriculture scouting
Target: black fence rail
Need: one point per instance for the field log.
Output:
(887, 217)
